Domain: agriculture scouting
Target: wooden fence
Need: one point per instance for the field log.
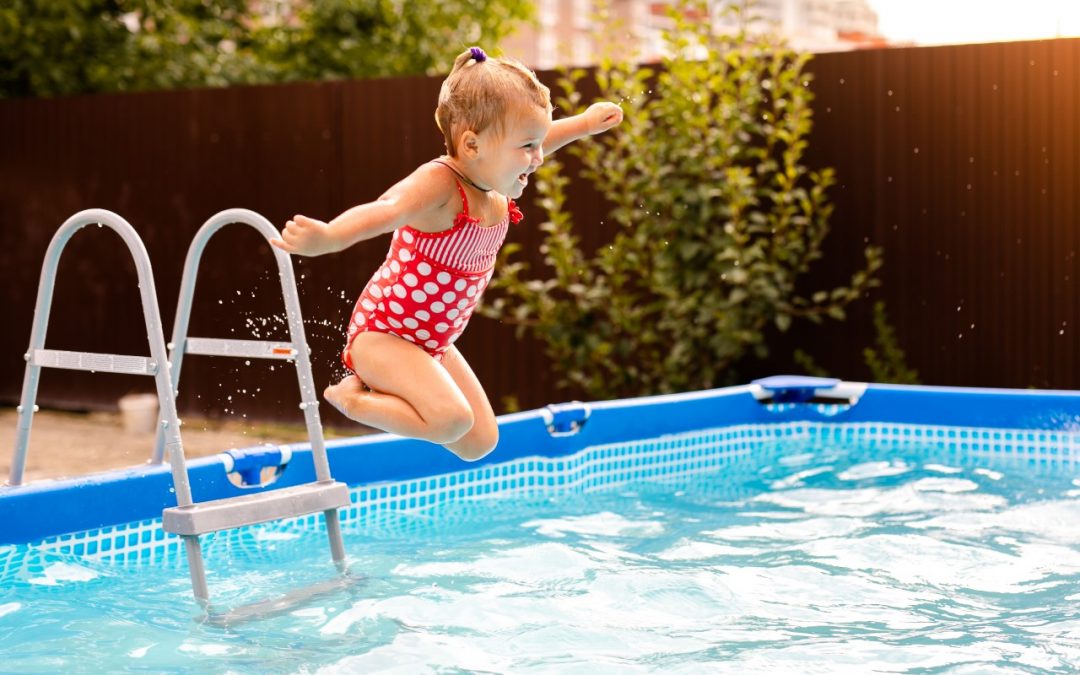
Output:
(962, 162)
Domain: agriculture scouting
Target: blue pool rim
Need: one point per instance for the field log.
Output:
(36, 511)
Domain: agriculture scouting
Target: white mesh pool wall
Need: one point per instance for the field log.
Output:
(666, 458)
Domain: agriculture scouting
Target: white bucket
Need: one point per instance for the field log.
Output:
(139, 413)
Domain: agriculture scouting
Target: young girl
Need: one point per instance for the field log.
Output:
(448, 218)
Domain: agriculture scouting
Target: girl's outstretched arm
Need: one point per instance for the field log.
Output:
(597, 118)
(421, 193)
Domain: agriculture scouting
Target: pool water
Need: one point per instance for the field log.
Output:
(835, 557)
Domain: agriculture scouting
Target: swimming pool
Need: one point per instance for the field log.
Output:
(784, 525)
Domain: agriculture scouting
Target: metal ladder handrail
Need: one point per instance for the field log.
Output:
(180, 345)
(157, 365)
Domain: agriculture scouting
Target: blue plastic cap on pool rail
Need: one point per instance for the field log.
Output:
(248, 463)
(795, 388)
(565, 419)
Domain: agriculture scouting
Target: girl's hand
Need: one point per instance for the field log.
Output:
(602, 116)
(307, 236)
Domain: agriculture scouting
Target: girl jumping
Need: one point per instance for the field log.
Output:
(449, 218)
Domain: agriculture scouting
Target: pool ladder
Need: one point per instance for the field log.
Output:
(190, 519)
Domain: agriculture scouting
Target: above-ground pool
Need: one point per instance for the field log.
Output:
(788, 525)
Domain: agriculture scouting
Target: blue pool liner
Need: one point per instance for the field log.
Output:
(33, 512)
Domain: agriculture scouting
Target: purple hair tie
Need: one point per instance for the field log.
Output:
(478, 54)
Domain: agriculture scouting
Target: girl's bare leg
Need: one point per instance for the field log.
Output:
(411, 393)
(484, 434)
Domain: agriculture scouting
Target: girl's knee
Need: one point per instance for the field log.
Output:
(476, 445)
(451, 423)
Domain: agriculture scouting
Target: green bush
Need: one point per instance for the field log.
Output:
(886, 363)
(715, 216)
(66, 47)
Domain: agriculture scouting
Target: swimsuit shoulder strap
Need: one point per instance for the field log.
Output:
(460, 189)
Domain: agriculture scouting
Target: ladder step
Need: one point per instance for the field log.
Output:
(266, 608)
(102, 363)
(252, 349)
(226, 514)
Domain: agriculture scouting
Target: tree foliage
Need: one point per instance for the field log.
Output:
(716, 219)
(65, 47)
(368, 38)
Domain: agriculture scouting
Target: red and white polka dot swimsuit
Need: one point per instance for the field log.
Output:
(430, 283)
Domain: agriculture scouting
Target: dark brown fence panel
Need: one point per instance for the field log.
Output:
(961, 161)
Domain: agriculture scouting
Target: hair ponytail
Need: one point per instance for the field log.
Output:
(470, 56)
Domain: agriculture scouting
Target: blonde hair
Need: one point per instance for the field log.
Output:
(481, 91)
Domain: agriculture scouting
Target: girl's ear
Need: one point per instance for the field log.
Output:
(469, 144)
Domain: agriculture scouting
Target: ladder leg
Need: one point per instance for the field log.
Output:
(333, 532)
(198, 571)
(27, 408)
(42, 309)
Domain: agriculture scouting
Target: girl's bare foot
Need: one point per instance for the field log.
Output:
(338, 395)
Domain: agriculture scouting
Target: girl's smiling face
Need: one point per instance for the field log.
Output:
(504, 158)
